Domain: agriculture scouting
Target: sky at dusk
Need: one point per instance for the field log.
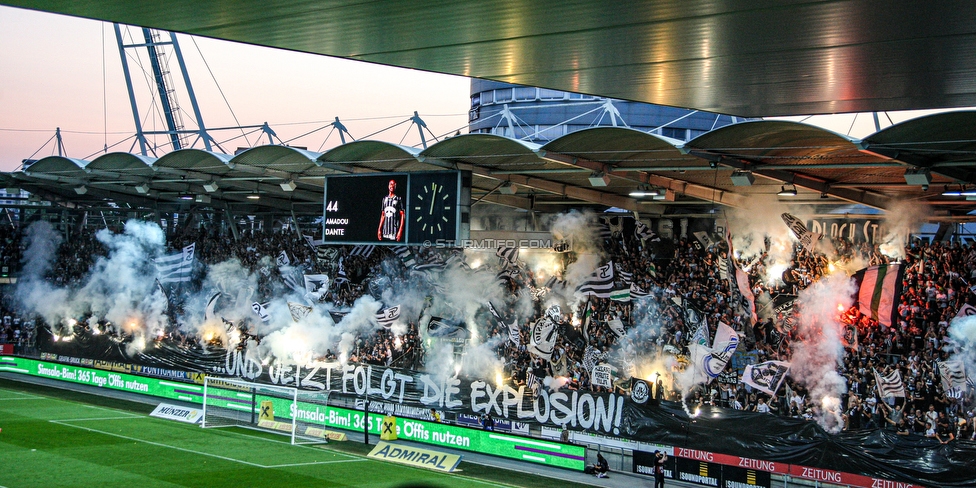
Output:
(59, 71)
(51, 75)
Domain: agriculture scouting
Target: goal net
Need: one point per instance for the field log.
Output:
(281, 409)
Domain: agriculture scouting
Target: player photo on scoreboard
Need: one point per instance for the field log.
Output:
(365, 209)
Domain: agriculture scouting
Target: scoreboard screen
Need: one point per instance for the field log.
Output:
(430, 208)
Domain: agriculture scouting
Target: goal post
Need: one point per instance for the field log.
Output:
(281, 409)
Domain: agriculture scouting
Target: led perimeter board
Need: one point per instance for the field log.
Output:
(428, 208)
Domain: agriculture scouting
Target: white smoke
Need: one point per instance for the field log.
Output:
(759, 221)
(962, 333)
(902, 218)
(818, 351)
(42, 242)
(116, 289)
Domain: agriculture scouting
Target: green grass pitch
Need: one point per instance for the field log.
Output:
(58, 438)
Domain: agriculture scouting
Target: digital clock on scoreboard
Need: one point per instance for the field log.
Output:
(397, 208)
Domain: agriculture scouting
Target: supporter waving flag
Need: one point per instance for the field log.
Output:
(889, 385)
(513, 328)
(742, 297)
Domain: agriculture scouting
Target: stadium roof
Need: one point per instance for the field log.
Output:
(824, 167)
(754, 58)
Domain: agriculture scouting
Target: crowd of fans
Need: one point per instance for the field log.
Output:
(935, 287)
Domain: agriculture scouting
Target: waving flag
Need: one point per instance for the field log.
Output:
(637, 292)
(513, 328)
(315, 286)
(363, 251)
(708, 362)
(953, 374)
(543, 339)
(176, 268)
(261, 311)
(740, 289)
(405, 255)
(598, 284)
(644, 233)
(879, 292)
(509, 254)
(208, 313)
(766, 377)
(388, 316)
(298, 311)
(312, 242)
(890, 385)
(807, 239)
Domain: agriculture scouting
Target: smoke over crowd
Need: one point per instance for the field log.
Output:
(673, 287)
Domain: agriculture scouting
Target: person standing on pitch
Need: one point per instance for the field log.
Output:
(659, 458)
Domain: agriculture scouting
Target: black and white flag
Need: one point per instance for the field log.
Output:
(298, 311)
(209, 314)
(362, 251)
(176, 268)
(617, 326)
(513, 328)
(542, 341)
(341, 277)
(447, 329)
(889, 385)
(592, 356)
(644, 233)
(703, 238)
(312, 242)
(510, 273)
(405, 255)
(637, 292)
(326, 256)
(282, 260)
(598, 284)
(556, 285)
(622, 275)
(766, 377)
(315, 286)
(966, 310)
(388, 316)
(953, 374)
(261, 311)
(614, 226)
(337, 316)
(290, 276)
(509, 254)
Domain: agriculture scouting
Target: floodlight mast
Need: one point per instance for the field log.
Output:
(165, 91)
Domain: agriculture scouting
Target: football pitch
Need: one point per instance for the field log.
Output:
(59, 438)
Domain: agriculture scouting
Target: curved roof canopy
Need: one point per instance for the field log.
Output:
(757, 58)
(597, 167)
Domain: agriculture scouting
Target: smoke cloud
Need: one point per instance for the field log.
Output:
(818, 352)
